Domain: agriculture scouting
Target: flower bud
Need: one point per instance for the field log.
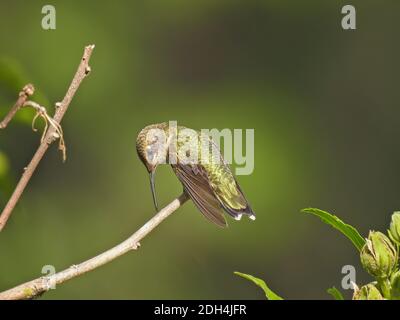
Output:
(394, 230)
(395, 286)
(378, 255)
(367, 292)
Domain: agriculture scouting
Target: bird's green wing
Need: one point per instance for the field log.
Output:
(228, 191)
(224, 185)
(196, 185)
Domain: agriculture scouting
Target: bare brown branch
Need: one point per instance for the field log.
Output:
(26, 92)
(51, 135)
(35, 288)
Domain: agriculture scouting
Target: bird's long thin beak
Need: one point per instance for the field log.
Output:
(153, 188)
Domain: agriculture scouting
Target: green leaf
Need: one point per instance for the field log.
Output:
(12, 79)
(349, 231)
(12, 75)
(4, 165)
(5, 179)
(335, 293)
(268, 292)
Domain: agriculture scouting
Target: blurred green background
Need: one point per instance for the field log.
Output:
(324, 104)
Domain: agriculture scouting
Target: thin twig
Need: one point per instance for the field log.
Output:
(35, 288)
(26, 92)
(42, 112)
(51, 135)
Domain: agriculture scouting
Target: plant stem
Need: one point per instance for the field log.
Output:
(384, 285)
(35, 288)
(23, 96)
(81, 73)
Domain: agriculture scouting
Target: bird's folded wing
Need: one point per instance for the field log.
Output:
(196, 185)
(224, 185)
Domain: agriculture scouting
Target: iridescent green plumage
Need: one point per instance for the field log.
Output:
(206, 178)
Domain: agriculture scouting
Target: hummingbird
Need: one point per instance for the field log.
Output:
(209, 181)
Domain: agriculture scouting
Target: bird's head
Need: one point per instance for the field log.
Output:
(152, 148)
